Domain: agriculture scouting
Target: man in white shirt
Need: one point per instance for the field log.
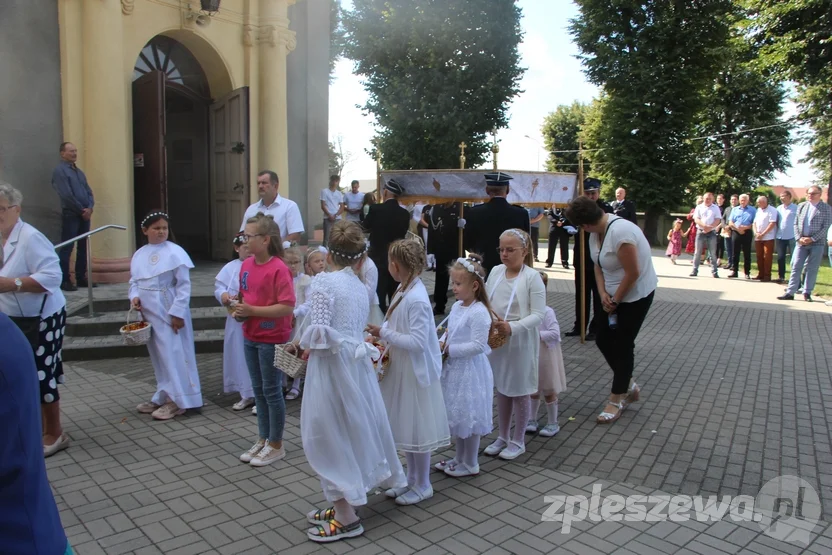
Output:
(707, 217)
(285, 212)
(785, 237)
(332, 204)
(354, 203)
(765, 229)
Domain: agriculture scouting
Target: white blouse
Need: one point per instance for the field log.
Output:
(28, 253)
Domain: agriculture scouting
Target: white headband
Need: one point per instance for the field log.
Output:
(322, 250)
(287, 245)
(517, 233)
(467, 264)
(354, 256)
(153, 215)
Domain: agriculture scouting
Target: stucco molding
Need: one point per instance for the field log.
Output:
(127, 6)
(272, 35)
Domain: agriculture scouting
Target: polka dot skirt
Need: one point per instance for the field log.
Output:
(48, 355)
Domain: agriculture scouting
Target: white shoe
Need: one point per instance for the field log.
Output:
(549, 430)
(243, 404)
(60, 444)
(462, 469)
(443, 465)
(251, 453)
(413, 496)
(531, 427)
(396, 492)
(254, 410)
(268, 455)
(496, 447)
(513, 451)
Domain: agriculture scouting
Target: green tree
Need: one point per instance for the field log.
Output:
(743, 96)
(653, 59)
(561, 130)
(336, 36)
(437, 73)
(795, 36)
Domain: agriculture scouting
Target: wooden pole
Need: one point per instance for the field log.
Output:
(378, 174)
(462, 146)
(582, 247)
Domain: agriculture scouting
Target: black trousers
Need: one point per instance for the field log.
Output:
(619, 345)
(73, 225)
(443, 278)
(535, 234)
(583, 294)
(742, 242)
(720, 246)
(386, 287)
(558, 235)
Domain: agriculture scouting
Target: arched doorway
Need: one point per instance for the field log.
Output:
(190, 155)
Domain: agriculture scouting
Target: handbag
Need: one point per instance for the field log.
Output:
(30, 325)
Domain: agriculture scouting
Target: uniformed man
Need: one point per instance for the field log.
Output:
(443, 242)
(583, 291)
(624, 208)
(386, 222)
(485, 223)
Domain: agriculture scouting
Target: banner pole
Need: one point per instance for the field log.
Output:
(582, 247)
(378, 173)
(462, 146)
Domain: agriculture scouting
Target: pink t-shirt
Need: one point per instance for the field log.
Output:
(266, 285)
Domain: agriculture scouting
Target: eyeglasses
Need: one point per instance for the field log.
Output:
(507, 250)
(811, 193)
(246, 237)
(4, 209)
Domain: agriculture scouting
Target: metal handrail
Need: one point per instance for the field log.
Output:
(87, 236)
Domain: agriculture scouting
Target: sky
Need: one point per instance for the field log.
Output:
(553, 77)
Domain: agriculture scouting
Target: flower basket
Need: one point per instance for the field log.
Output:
(287, 358)
(135, 332)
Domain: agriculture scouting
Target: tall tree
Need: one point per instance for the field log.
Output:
(336, 36)
(744, 96)
(561, 130)
(796, 39)
(437, 73)
(653, 59)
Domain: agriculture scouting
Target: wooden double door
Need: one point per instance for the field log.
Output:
(191, 159)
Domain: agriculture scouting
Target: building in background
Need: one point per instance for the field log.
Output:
(170, 107)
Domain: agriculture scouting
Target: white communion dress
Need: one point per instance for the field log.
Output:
(159, 277)
(235, 376)
(369, 275)
(343, 422)
(467, 382)
(411, 388)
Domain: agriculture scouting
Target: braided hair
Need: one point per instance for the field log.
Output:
(410, 255)
(347, 246)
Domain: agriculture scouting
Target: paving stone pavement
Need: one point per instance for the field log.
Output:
(734, 394)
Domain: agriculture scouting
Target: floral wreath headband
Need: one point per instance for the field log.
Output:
(517, 233)
(347, 255)
(467, 263)
(153, 215)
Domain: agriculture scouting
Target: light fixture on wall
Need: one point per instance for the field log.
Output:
(209, 7)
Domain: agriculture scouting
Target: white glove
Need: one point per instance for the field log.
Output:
(570, 230)
(461, 223)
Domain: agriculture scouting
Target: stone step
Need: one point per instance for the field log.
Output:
(108, 323)
(112, 346)
(122, 304)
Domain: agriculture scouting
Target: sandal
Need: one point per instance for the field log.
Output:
(293, 394)
(608, 417)
(321, 516)
(332, 531)
(633, 394)
(442, 465)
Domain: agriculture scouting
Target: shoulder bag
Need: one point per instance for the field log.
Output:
(30, 325)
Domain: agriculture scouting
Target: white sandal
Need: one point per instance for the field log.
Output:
(608, 417)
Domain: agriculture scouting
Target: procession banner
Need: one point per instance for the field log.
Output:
(527, 188)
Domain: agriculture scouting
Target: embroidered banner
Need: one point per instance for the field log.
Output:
(527, 188)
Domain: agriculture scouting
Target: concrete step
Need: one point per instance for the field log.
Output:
(108, 323)
(122, 304)
(112, 346)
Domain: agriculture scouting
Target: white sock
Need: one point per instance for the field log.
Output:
(552, 412)
(472, 447)
(461, 447)
(535, 408)
(296, 384)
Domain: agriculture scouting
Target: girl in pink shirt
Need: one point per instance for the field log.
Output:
(267, 301)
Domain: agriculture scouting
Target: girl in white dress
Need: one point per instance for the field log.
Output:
(301, 282)
(344, 427)
(519, 299)
(467, 384)
(551, 381)
(411, 387)
(369, 276)
(235, 376)
(160, 287)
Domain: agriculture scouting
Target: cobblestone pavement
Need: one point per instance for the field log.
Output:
(735, 392)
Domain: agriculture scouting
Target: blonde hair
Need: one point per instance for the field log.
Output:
(545, 279)
(477, 276)
(347, 246)
(525, 240)
(267, 227)
(410, 255)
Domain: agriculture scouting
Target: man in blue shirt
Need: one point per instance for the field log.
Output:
(741, 220)
(535, 215)
(29, 520)
(76, 211)
(784, 241)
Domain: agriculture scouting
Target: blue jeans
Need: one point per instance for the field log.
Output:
(781, 246)
(806, 260)
(267, 383)
(73, 225)
(710, 237)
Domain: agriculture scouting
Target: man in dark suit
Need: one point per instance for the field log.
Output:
(386, 222)
(588, 288)
(485, 223)
(624, 208)
(443, 241)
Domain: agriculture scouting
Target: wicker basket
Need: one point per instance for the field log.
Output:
(495, 338)
(137, 336)
(383, 363)
(287, 359)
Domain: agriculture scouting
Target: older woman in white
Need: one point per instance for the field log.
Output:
(518, 297)
(30, 285)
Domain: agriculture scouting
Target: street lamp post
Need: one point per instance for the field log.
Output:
(538, 149)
